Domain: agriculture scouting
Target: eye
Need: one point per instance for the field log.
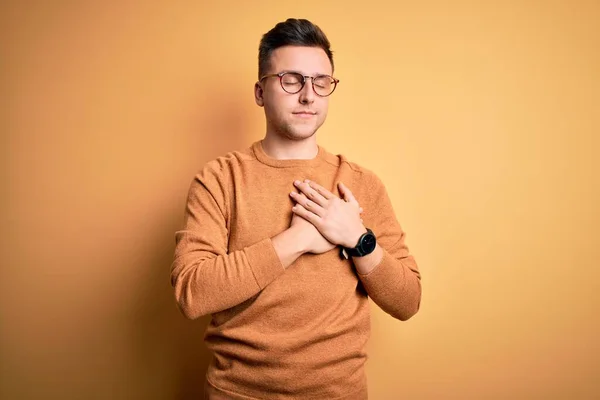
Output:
(292, 79)
(323, 81)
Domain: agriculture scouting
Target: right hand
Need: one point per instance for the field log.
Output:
(313, 241)
(310, 236)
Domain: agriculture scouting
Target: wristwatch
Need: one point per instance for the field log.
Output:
(366, 244)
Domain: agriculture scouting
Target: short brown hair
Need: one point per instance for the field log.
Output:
(292, 32)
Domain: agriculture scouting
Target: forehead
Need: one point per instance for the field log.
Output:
(307, 60)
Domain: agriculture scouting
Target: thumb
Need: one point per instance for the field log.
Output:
(347, 194)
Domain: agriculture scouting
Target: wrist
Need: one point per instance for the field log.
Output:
(301, 244)
(364, 265)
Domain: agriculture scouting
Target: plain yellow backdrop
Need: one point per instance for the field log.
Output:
(482, 119)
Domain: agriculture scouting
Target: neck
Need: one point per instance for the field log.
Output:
(285, 149)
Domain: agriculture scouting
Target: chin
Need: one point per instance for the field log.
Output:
(300, 132)
(300, 135)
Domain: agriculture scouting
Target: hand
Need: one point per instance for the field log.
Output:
(336, 219)
(312, 239)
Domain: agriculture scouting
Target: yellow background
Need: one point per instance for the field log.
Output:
(482, 118)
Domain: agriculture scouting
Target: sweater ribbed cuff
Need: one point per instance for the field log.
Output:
(264, 262)
(376, 270)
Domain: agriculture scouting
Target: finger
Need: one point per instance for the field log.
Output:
(299, 210)
(320, 189)
(311, 193)
(347, 194)
(307, 203)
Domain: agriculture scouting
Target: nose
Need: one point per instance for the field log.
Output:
(307, 94)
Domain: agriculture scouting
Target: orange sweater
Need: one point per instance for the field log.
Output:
(296, 333)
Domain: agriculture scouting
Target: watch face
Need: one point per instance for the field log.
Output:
(368, 243)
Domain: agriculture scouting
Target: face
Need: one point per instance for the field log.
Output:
(294, 116)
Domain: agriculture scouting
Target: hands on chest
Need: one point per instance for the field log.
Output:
(325, 220)
(321, 221)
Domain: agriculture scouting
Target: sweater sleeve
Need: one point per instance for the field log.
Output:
(206, 278)
(395, 283)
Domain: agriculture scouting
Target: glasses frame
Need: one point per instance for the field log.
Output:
(280, 75)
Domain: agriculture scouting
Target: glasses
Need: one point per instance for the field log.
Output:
(293, 82)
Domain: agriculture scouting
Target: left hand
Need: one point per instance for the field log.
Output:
(338, 220)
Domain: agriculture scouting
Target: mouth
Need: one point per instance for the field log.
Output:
(305, 114)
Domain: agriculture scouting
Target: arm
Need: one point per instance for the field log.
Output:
(390, 274)
(207, 278)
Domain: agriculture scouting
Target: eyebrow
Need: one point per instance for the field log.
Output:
(299, 72)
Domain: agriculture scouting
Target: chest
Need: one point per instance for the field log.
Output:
(261, 205)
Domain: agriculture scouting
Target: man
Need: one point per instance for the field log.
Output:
(277, 248)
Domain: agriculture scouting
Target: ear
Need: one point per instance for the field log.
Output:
(258, 95)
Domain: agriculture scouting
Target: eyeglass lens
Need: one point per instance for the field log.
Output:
(293, 82)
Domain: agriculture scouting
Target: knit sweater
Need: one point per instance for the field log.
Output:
(275, 333)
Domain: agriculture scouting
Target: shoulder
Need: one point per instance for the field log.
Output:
(215, 178)
(359, 173)
(221, 168)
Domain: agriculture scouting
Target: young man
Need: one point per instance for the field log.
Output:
(277, 248)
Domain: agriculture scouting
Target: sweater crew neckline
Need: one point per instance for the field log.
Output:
(264, 158)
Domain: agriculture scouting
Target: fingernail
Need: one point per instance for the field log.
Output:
(296, 182)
